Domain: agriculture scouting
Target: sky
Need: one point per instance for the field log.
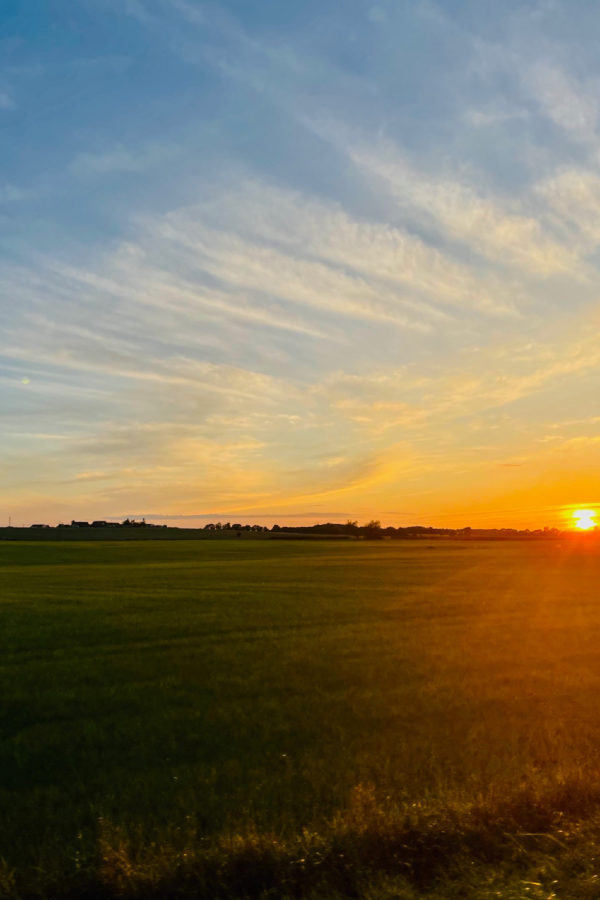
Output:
(299, 262)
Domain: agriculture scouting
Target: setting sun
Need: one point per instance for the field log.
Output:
(585, 519)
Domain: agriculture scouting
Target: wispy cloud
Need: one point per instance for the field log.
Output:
(139, 10)
(12, 193)
(573, 196)
(120, 159)
(460, 213)
(374, 250)
(6, 100)
(570, 104)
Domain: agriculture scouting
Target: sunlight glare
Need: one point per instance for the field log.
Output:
(585, 519)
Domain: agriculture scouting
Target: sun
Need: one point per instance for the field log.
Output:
(585, 519)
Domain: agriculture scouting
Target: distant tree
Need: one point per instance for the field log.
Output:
(276, 528)
(372, 530)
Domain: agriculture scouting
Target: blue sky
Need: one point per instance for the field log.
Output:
(306, 260)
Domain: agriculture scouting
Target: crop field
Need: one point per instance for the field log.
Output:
(290, 719)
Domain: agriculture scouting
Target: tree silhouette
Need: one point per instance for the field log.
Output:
(372, 530)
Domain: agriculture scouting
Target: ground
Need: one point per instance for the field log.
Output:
(395, 719)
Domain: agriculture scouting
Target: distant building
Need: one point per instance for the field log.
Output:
(99, 523)
(75, 524)
(39, 526)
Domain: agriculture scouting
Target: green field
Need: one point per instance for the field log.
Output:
(281, 719)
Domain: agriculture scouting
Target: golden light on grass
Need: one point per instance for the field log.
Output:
(585, 519)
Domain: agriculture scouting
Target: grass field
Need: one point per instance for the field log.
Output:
(281, 719)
